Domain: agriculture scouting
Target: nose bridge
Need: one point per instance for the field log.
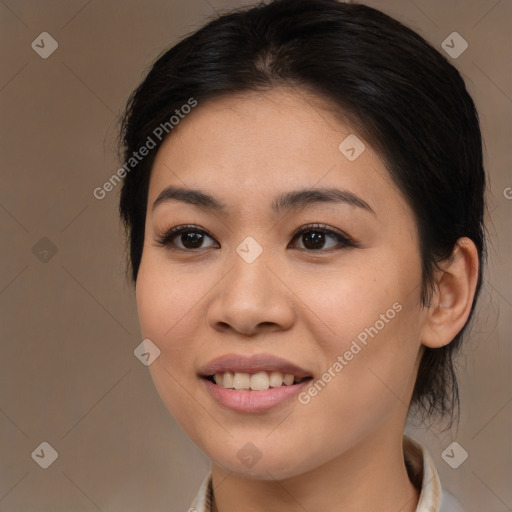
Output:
(250, 270)
(250, 295)
(250, 250)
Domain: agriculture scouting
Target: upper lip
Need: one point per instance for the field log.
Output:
(251, 364)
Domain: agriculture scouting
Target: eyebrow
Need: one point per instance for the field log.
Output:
(285, 202)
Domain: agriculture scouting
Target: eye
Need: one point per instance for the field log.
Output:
(314, 236)
(191, 238)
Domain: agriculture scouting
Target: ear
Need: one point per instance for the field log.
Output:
(454, 290)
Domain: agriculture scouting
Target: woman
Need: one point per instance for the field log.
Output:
(304, 202)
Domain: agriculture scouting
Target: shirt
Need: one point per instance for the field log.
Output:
(420, 468)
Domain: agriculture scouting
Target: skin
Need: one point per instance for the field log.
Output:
(342, 450)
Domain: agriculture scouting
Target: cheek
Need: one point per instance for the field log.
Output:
(166, 302)
(362, 384)
(166, 312)
(341, 305)
(167, 309)
(367, 325)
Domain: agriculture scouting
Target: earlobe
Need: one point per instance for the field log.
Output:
(454, 291)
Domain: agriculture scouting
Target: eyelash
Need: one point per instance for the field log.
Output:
(343, 240)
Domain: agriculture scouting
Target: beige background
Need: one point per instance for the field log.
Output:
(69, 324)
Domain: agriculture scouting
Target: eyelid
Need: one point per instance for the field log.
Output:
(164, 240)
(324, 228)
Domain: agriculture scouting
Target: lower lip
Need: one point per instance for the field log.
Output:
(253, 401)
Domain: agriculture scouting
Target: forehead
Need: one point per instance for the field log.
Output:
(247, 147)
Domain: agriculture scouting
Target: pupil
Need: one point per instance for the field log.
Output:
(190, 237)
(316, 238)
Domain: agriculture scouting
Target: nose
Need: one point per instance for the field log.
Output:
(252, 298)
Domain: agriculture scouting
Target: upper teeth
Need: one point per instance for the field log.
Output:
(256, 381)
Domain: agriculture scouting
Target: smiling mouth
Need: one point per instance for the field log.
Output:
(259, 381)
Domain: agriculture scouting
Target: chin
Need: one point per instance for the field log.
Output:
(249, 463)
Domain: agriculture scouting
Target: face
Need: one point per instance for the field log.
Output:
(264, 282)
